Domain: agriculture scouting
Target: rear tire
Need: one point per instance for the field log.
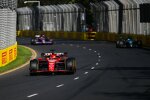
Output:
(33, 66)
(139, 44)
(32, 41)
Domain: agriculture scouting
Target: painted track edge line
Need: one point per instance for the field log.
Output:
(34, 55)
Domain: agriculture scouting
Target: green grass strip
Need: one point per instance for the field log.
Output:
(24, 55)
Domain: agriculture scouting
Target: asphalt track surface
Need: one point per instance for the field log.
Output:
(104, 72)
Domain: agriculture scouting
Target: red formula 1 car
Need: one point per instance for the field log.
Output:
(52, 63)
(41, 40)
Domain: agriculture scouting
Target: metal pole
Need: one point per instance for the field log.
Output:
(33, 2)
(39, 10)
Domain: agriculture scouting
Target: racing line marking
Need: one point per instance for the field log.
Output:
(78, 46)
(97, 63)
(60, 85)
(32, 95)
(86, 72)
(76, 78)
(84, 47)
(92, 67)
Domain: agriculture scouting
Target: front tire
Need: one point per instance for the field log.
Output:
(71, 65)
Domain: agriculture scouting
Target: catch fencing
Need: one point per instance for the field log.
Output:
(8, 44)
(65, 17)
(7, 23)
(120, 16)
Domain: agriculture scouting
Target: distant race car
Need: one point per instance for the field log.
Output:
(53, 62)
(128, 43)
(41, 39)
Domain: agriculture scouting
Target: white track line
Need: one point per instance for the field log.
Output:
(71, 44)
(78, 46)
(95, 51)
(86, 72)
(84, 47)
(60, 85)
(32, 95)
(90, 49)
(98, 53)
(97, 63)
(92, 67)
(99, 56)
(76, 78)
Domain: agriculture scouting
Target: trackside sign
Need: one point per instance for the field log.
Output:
(7, 55)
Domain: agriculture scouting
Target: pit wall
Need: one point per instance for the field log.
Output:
(97, 36)
(8, 55)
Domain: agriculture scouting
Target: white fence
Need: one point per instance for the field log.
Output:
(7, 23)
(107, 17)
(66, 17)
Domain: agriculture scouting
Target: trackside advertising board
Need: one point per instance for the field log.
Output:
(7, 55)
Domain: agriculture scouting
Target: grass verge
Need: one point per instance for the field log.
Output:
(24, 55)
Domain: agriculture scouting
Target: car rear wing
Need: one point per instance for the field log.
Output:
(57, 54)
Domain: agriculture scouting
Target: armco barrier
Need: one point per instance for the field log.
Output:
(83, 36)
(7, 55)
(54, 35)
(90, 35)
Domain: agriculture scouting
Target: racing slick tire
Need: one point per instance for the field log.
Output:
(139, 44)
(71, 65)
(120, 44)
(33, 66)
(42, 55)
(117, 44)
(32, 42)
